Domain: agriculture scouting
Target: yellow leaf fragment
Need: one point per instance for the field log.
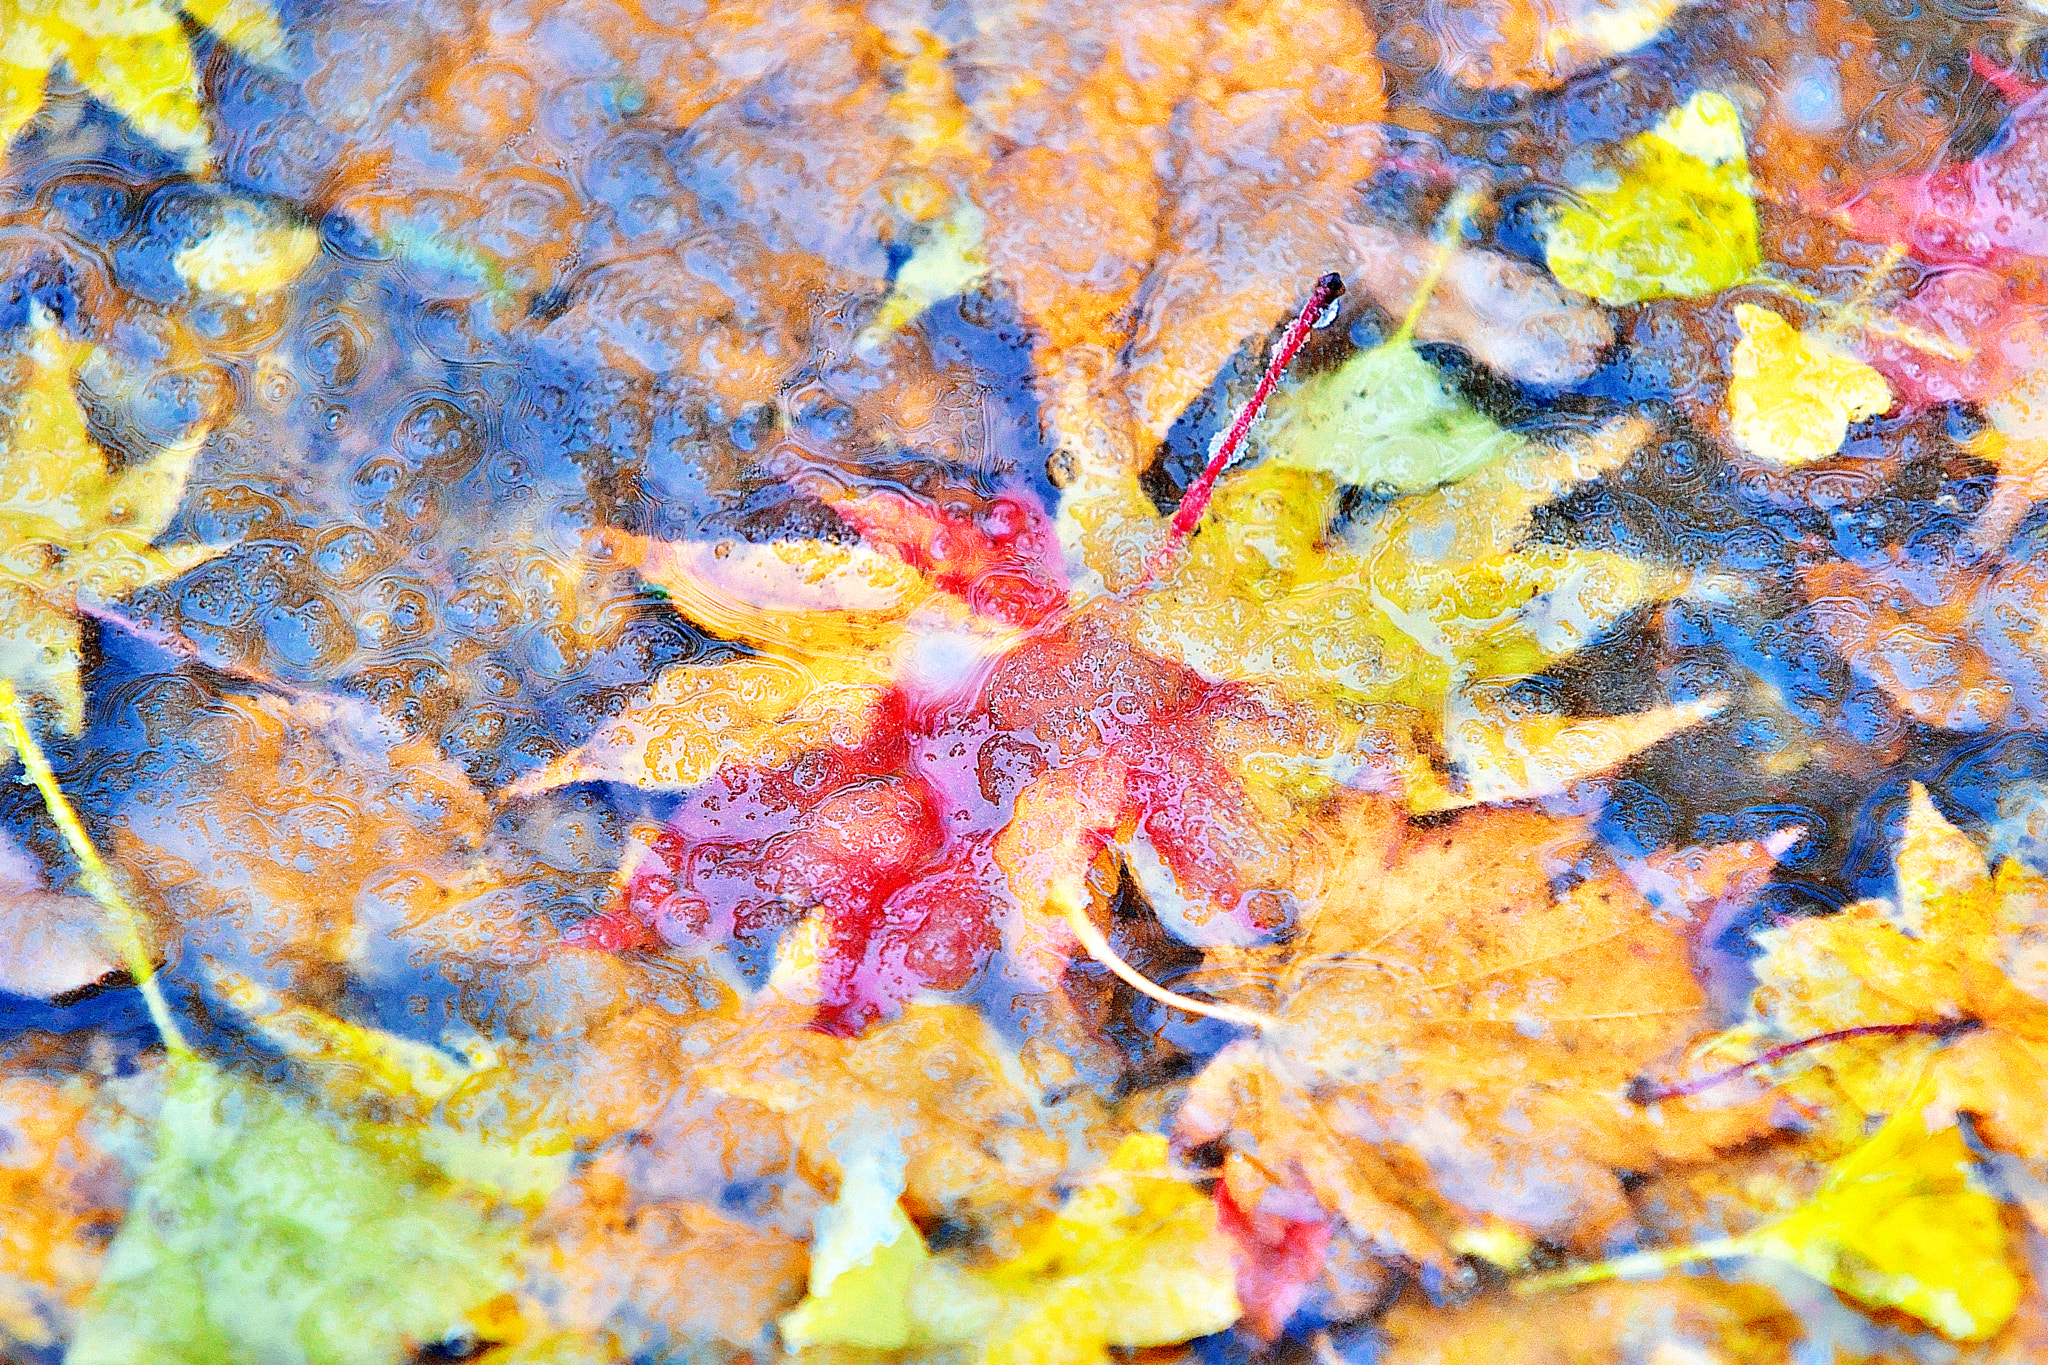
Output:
(1792, 395)
(69, 526)
(131, 55)
(1134, 1259)
(245, 254)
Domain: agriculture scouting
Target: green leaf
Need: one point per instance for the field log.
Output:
(1678, 219)
(260, 1233)
(1384, 420)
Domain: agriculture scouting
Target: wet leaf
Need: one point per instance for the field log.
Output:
(1792, 395)
(130, 55)
(1132, 1259)
(1421, 619)
(1383, 420)
(50, 943)
(1949, 981)
(1675, 218)
(71, 527)
(60, 1195)
(1455, 1029)
(1898, 1223)
(260, 1232)
(1542, 43)
(1605, 1324)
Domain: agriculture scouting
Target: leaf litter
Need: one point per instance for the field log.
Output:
(1007, 682)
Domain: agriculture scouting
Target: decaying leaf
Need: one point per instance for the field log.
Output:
(61, 1195)
(50, 941)
(1458, 1021)
(1676, 218)
(1539, 44)
(976, 1144)
(1791, 394)
(258, 1231)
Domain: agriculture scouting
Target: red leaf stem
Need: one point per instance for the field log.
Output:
(1645, 1092)
(1195, 501)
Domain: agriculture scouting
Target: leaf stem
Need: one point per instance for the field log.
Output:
(94, 874)
(1195, 501)
(1635, 1263)
(1099, 949)
(1643, 1092)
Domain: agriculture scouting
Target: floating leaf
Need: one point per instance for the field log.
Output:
(1675, 220)
(1948, 982)
(1791, 395)
(1453, 1029)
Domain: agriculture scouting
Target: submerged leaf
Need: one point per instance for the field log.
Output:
(1677, 219)
(259, 1234)
(1133, 1259)
(1384, 421)
(1898, 1223)
(1791, 396)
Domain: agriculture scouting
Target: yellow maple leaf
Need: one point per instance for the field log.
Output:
(1950, 981)
(1791, 394)
(1452, 1031)
(1133, 1259)
(1434, 610)
(132, 55)
(69, 526)
(1898, 1223)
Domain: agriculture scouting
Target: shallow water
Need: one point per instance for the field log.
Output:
(676, 625)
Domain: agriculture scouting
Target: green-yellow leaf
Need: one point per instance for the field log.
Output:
(260, 1233)
(1384, 420)
(1676, 218)
(950, 260)
(865, 1259)
(1898, 1223)
(401, 1082)
(1792, 396)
